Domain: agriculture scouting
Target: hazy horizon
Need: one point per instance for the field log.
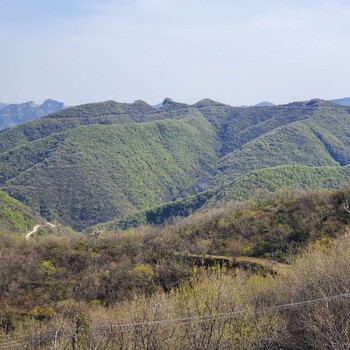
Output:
(155, 104)
(239, 53)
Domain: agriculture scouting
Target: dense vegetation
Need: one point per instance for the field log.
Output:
(79, 283)
(201, 210)
(276, 227)
(157, 215)
(271, 179)
(259, 183)
(135, 164)
(321, 139)
(95, 173)
(15, 218)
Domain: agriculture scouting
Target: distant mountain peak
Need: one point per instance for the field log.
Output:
(141, 103)
(180, 150)
(14, 114)
(265, 104)
(206, 102)
(317, 102)
(52, 104)
(50, 100)
(168, 103)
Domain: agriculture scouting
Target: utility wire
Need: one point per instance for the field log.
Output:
(233, 314)
(124, 327)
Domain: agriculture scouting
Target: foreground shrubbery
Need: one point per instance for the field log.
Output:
(67, 288)
(254, 322)
(107, 268)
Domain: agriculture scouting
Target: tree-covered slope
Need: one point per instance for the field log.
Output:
(272, 179)
(106, 161)
(103, 113)
(262, 182)
(95, 173)
(15, 217)
(294, 144)
(158, 215)
(316, 137)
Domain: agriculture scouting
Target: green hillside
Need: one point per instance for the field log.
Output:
(316, 139)
(15, 217)
(293, 144)
(263, 181)
(133, 164)
(95, 173)
(158, 215)
(273, 179)
(103, 113)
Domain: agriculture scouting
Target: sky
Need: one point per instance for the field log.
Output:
(236, 52)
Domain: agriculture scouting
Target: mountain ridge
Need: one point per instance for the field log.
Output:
(109, 160)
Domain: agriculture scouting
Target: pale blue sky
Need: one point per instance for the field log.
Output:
(238, 52)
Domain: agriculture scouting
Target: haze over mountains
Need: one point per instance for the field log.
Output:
(19, 113)
(342, 101)
(105, 161)
(265, 104)
(339, 101)
(13, 114)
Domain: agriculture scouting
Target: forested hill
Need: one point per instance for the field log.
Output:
(15, 217)
(102, 161)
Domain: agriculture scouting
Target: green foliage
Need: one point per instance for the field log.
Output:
(114, 266)
(104, 113)
(46, 268)
(14, 216)
(271, 179)
(158, 215)
(236, 310)
(96, 173)
(134, 164)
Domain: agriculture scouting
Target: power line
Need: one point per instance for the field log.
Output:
(233, 314)
(125, 327)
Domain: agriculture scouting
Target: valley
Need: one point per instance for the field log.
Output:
(109, 161)
(192, 192)
(192, 211)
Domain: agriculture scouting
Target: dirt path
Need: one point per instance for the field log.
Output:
(270, 264)
(36, 228)
(267, 263)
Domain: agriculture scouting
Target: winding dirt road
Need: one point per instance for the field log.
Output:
(36, 228)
